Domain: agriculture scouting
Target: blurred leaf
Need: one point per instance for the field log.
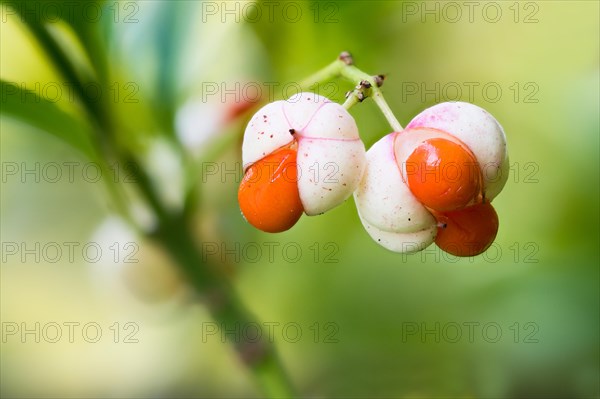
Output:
(152, 52)
(92, 37)
(57, 47)
(35, 111)
(77, 15)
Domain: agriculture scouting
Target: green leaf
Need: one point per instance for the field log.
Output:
(84, 17)
(44, 115)
(30, 14)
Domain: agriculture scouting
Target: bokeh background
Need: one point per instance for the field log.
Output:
(365, 322)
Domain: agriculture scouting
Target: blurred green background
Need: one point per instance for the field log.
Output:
(362, 315)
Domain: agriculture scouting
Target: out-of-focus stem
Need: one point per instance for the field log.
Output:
(225, 306)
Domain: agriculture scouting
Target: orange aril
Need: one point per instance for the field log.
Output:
(467, 232)
(268, 195)
(444, 175)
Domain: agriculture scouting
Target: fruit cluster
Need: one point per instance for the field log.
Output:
(433, 181)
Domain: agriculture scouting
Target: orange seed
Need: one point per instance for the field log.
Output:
(444, 175)
(268, 195)
(467, 232)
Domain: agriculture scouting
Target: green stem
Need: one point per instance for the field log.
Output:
(351, 101)
(353, 74)
(385, 109)
(331, 71)
(260, 357)
(117, 195)
(345, 69)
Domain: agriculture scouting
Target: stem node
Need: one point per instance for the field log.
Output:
(346, 58)
(379, 80)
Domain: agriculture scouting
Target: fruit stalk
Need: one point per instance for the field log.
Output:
(367, 86)
(386, 110)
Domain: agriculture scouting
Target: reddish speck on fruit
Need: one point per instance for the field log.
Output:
(444, 175)
(268, 195)
(467, 232)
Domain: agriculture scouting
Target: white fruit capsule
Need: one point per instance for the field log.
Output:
(390, 213)
(401, 242)
(330, 155)
(480, 131)
(390, 210)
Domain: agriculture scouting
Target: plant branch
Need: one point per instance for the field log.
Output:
(373, 89)
(331, 71)
(367, 85)
(226, 308)
(352, 99)
(385, 109)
